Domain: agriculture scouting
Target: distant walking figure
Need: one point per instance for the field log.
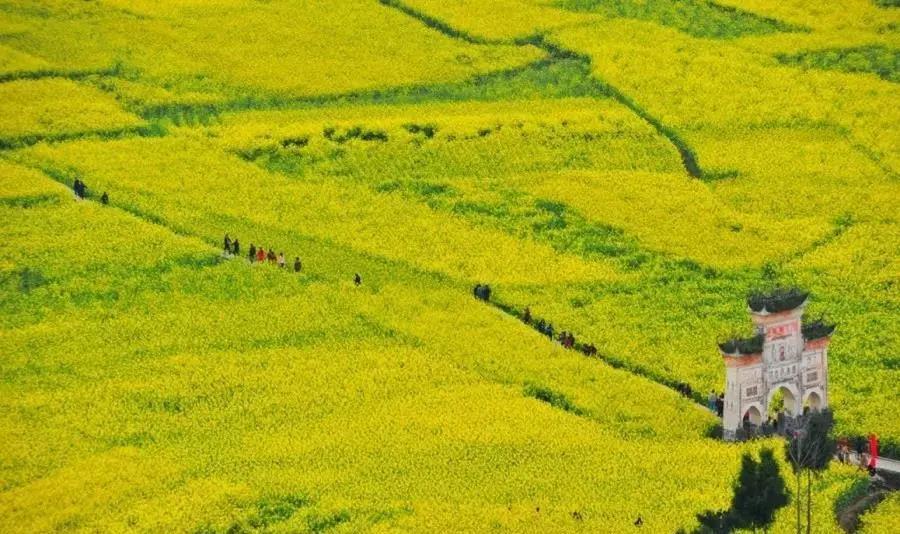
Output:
(104, 199)
(236, 247)
(261, 255)
(297, 264)
(711, 401)
(271, 256)
(720, 405)
(638, 522)
(482, 292)
(252, 254)
(281, 260)
(227, 244)
(526, 315)
(79, 188)
(357, 279)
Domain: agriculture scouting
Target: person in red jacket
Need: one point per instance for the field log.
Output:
(261, 255)
(873, 452)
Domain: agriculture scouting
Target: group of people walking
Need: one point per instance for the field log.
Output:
(866, 456)
(716, 402)
(80, 189)
(564, 338)
(232, 248)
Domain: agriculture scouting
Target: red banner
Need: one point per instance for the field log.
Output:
(782, 330)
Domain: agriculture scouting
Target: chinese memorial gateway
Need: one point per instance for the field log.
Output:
(785, 355)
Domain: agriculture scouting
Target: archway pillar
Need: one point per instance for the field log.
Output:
(743, 390)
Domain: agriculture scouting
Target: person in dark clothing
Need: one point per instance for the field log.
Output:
(638, 522)
(252, 254)
(720, 405)
(541, 326)
(482, 292)
(550, 330)
(526, 315)
(297, 264)
(227, 244)
(104, 199)
(79, 188)
(271, 256)
(236, 247)
(357, 279)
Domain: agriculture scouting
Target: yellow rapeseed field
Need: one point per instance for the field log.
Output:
(628, 171)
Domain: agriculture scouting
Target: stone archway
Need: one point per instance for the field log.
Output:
(782, 369)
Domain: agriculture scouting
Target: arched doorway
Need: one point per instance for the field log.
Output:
(781, 400)
(813, 402)
(753, 416)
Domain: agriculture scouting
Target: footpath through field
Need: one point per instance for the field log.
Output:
(881, 463)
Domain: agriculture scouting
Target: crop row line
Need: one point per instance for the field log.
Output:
(115, 70)
(553, 50)
(149, 130)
